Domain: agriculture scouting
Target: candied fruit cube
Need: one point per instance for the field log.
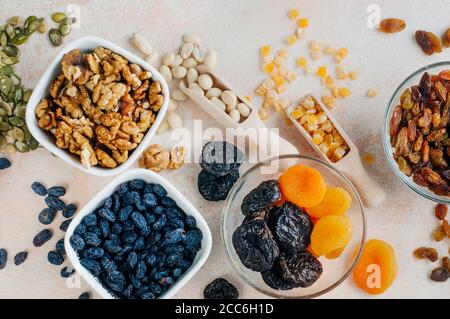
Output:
(353, 74)
(302, 62)
(339, 153)
(317, 138)
(311, 127)
(283, 53)
(268, 102)
(311, 111)
(330, 50)
(301, 33)
(291, 76)
(269, 67)
(268, 84)
(271, 94)
(281, 89)
(312, 119)
(322, 71)
(328, 81)
(261, 91)
(308, 102)
(321, 117)
(340, 55)
(292, 39)
(297, 113)
(303, 23)
(328, 101)
(324, 148)
(248, 98)
(316, 55)
(374, 92)
(327, 126)
(314, 45)
(293, 14)
(263, 114)
(265, 50)
(344, 92)
(328, 139)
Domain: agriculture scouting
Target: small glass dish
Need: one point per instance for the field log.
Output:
(411, 80)
(334, 271)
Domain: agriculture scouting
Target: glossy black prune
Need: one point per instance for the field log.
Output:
(255, 246)
(300, 269)
(3, 258)
(216, 188)
(221, 158)
(291, 227)
(42, 237)
(220, 288)
(19, 258)
(263, 196)
(274, 280)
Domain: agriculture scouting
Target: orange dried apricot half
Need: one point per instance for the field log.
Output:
(331, 233)
(376, 270)
(336, 202)
(302, 185)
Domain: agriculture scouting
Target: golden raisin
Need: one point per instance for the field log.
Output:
(428, 42)
(446, 39)
(439, 233)
(441, 211)
(392, 25)
(426, 253)
(446, 262)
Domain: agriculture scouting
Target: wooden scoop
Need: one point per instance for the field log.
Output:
(253, 121)
(371, 192)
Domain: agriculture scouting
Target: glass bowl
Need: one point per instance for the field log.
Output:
(411, 80)
(334, 271)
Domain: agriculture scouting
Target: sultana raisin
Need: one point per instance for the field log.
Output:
(392, 25)
(446, 227)
(426, 253)
(446, 39)
(440, 274)
(428, 42)
(439, 233)
(441, 211)
(395, 121)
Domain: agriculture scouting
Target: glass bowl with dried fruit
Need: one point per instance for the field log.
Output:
(293, 234)
(415, 136)
(97, 106)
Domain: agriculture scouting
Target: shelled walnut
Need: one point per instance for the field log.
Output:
(155, 158)
(100, 106)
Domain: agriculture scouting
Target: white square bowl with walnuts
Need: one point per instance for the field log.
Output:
(97, 106)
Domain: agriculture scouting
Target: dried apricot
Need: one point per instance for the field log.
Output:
(392, 25)
(336, 202)
(334, 254)
(331, 232)
(303, 186)
(376, 270)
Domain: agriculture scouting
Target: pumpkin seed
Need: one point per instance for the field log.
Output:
(42, 26)
(70, 20)
(5, 85)
(27, 95)
(64, 29)
(28, 21)
(10, 148)
(14, 21)
(3, 39)
(33, 144)
(58, 17)
(22, 147)
(18, 95)
(15, 79)
(18, 134)
(16, 121)
(4, 126)
(6, 107)
(7, 70)
(11, 50)
(19, 39)
(3, 140)
(20, 111)
(2, 113)
(10, 60)
(9, 30)
(55, 37)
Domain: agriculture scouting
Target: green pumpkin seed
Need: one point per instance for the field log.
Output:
(14, 21)
(70, 20)
(3, 140)
(7, 70)
(11, 51)
(3, 39)
(10, 148)
(19, 39)
(33, 27)
(15, 79)
(33, 144)
(55, 37)
(42, 26)
(27, 134)
(10, 60)
(2, 113)
(58, 17)
(64, 29)
(6, 107)
(27, 95)
(4, 126)
(20, 111)
(16, 121)
(18, 95)
(5, 85)
(28, 21)
(9, 31)
(18, 134)
(22, 147)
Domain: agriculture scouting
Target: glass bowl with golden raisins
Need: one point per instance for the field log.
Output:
(416, 132)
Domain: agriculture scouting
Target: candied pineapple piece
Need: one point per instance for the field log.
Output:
(308, 102)
(297, 113)
(311, 111)
(268, 102)
(324, 148)
(292, 39)
(311, 127)
(374, 92)
(316, 55)
(291, 76)
(314, 45)
(329, 50)
(353, 74)
(344, 92)
(303, 23)
(328, 139)
(248, 98)
(302, 62)
(312, 119)
(339, 153)
(269, 67)
(278, 80)
(317, 138)
(340, 55)
(265, 50)
(327, 126)
(283, 53)
(281, 89)
(293, 14)
(261, 91)
(271, 94)
(322, 71)
(268, 84)
(263, 114)
(328, 81)
(328, 101)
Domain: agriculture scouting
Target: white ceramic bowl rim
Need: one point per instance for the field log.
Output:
(182, 202)
(41, 90)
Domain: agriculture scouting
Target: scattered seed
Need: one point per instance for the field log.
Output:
(58, 17)
(55, 37)
(64, 29)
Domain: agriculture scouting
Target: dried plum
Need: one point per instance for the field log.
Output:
(3, 258)
(274, 280)
(221, 158)
(291, 227)
(55, 258)
(4, 163)
(39, 189)
(19, 258)
(220, 288)
(46, 216)
(261, 197)
(216, 188)
(42, 237)
(301, 269)
(255, 245)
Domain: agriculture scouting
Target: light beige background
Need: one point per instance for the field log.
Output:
(236, 29)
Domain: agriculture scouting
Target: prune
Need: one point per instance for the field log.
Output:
(216, 188)
(19, 258)
(261, 197)
(42, 237)
(220, 288)
(4, 163)
(67, 271)
(3, 258)
(56, 191)
(221, 158)
(301, 269)
(274, 280)
(55, 258)
(77, 242)
(65, 224)
(55, 203)
(59, 246)
(85, 295)
(255, 245)
(46, 216)
(39, 189)
(440, 274)
(69, 211)
(291, 227)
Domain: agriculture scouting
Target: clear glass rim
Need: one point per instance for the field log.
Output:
(387, 144)
(226, 210)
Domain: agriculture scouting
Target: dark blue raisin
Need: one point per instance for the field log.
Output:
(155, 288)
(107, 264)
(123, 189)
(56, 191)
(69, 211)
(90, 220)
(94, 253)
(166, 201)
(128, 291)
(146, 231)
(129, 237)
(166, 281)
(117, 202)
(42, 237)
(174, 259)
(174, 213)
(190, 222)
(128, 225)
(154, 238)
(67, 271)
(77, 242)
(92, 265)
(104, 227)
(80, 229)
(174, 236)
(132, 198)
(55, 258)
(108, 203)
(107, 214)
(177, 272)
(20, 257)
(135, 281)
(124, 213)
(160, 223)
(158, 210)
(112, 246)
(3, 258)
(175, 248)
(116, 229)
(159, 190)
(39, 189)
(65, 224)
(116, 281)
(176, 223)
(96, 230)
(161, 274)
(148, 295)
(55, 203)
(141, 269)
(137, 185)
(46, 216)
(151, 260)
(139, 244)
(194, 238)
(60, 246)
(141, 206)
(85, 295)
(92, 239)
(132, 259)
(150, 218)
(4, 163)
(150, 200)
(185, 264)
(139, 220)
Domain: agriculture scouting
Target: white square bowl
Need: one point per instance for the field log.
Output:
(42, 90)
(182, 202)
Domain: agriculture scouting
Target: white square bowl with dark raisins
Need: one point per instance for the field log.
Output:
(182, 202)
